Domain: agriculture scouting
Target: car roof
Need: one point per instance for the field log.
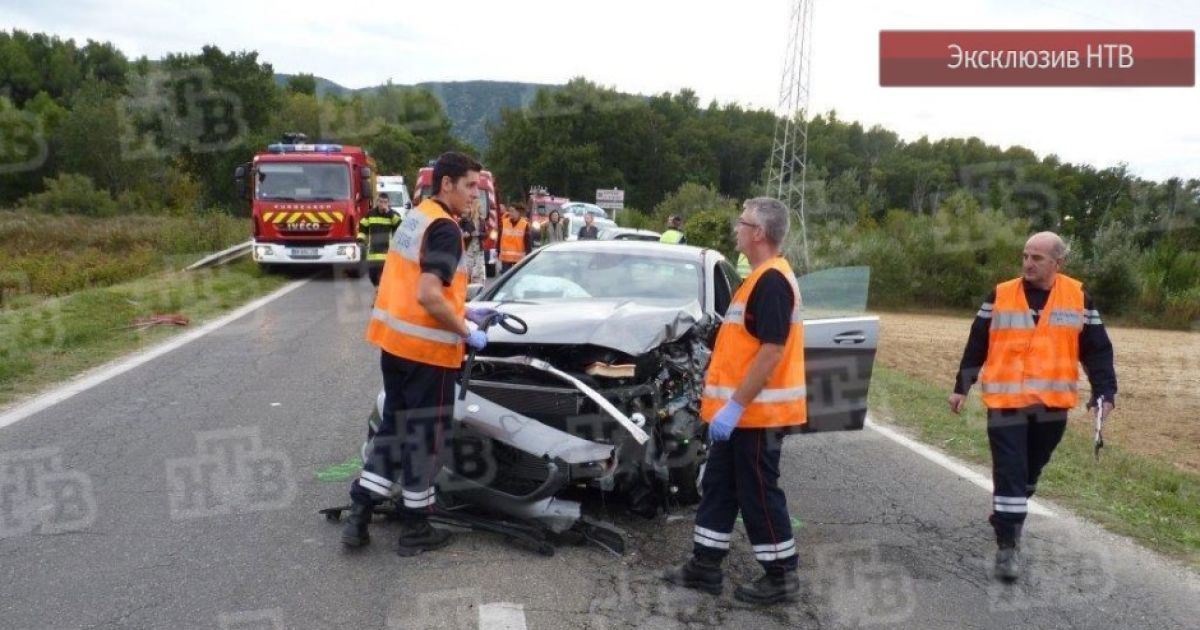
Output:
(603, 223)
(635, 248)
(629, 230)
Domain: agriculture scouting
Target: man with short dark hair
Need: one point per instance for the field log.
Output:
(375, 233)
(418, 323)
(516, 237)
(589, 232)
(674, 233)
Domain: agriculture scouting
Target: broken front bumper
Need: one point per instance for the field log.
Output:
(523, 465)
(510, 463)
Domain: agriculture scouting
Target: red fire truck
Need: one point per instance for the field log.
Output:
(306, 201)
(488, 207)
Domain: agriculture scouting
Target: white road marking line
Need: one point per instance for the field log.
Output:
(103, 373)
(502, 616)
(954, 466)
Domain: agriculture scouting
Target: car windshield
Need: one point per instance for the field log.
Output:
(303, 181)
(397, 197)
(567, 275)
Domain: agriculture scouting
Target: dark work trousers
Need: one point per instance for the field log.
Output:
(405, 452)
(505, 266)
(375, 272)
(742, 475)
(1022, 441)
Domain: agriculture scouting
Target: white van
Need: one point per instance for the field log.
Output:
(397, 192)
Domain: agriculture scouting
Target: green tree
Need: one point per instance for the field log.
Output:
(302, 84)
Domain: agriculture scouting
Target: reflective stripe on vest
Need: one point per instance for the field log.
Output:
(783, 400)
(438, 335)
(512, 240)
(737, 315)
(376, 231)
(1032, 363)
(1042, 384)
(399, 324)
(766, 395)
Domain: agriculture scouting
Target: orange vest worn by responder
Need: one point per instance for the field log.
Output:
(783, 400)
(1027, 363)
(512, 240)
(399, 324)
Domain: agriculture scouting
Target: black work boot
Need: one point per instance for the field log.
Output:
(771, 588)
(1008, 556)
(354, 532)
(1007, 566)
(417, 535)
(701, 574)
(1008, 563)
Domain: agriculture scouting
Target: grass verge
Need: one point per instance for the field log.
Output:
(50, 341)
(1149, 501)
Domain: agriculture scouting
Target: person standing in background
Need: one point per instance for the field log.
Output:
(473, 229)
(554, 230)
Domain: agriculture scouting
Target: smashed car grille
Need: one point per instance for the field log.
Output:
(551, 405)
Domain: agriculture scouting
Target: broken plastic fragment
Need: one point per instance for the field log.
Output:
(609, 370)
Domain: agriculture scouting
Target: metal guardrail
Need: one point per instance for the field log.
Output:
(222, 257)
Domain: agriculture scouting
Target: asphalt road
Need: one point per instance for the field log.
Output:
(183, 494)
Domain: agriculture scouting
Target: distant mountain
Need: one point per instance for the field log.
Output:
(471, 105)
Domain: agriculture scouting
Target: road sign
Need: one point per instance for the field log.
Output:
(610, 199)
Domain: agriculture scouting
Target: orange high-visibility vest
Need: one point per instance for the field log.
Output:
(784, 399)
(512, 240)
(399, 324)
(1028, 363)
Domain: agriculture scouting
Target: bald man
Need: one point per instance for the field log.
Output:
(1025, 347)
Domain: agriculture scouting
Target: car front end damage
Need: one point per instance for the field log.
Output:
(545, 422)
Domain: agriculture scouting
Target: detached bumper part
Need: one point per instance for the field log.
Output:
(548, 460)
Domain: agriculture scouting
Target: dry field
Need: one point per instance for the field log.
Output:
(1158, 374)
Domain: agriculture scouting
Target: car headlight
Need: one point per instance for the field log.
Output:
(262, 251)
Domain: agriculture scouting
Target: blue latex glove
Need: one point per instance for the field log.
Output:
(481, 315)
(724, 422)
(477, 340)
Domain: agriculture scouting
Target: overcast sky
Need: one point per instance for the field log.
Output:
(728, 51)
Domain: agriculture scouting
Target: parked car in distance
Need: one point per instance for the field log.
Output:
(628, 234)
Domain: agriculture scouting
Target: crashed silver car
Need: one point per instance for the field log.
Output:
(602, 390)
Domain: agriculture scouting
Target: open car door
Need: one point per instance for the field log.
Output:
(839, 347)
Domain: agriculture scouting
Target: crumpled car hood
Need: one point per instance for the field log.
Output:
(624, 325)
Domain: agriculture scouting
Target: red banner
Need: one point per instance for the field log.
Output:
(1037, 58)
